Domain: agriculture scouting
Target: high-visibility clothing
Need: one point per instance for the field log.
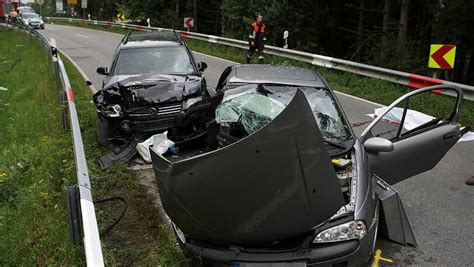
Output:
(257, 34)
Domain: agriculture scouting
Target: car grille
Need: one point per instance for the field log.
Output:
(155, 111)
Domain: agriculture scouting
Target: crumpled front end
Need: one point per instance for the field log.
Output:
(147, 104)
(273, 185)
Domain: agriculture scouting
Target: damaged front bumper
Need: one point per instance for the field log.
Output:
(346, 253)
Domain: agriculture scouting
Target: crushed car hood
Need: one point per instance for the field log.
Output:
(139, 90)
(272, 185)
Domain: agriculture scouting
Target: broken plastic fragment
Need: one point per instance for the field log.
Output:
(160, 142)
(3, 88)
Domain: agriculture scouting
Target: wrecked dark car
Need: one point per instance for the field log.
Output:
(287, 182)
(153, 85)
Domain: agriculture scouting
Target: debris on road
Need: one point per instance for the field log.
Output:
(159, 141)
(120, 154)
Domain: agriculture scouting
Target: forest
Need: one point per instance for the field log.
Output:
(394, 34)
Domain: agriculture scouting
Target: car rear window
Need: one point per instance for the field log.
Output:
(153, 60)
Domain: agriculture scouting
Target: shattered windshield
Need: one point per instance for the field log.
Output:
(153, 60)
(255, 106)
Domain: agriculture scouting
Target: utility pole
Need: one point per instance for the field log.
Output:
(195, 16)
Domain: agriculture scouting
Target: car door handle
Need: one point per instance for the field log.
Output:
(449, 135)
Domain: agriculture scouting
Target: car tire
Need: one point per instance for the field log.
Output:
(104, 130)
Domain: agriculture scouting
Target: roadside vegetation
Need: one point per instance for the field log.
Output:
(37, 162)
(367, 88)
(378, 91)
(389, 33)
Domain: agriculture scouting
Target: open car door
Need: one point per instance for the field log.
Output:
(402, 142)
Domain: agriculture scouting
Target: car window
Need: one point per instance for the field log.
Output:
(323, 105)
(30, 16)
(155, 60)
(407, 117)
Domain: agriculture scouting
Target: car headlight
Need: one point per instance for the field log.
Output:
(191, 102)
(112, 111)
(346, 231)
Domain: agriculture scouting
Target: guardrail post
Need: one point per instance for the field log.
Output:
(54, 56)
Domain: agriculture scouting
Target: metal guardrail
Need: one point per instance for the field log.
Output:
(80, 197)
(393, 76)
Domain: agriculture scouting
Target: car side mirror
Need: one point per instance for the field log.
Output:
(378, 144)
(102, 71)
(202, 66)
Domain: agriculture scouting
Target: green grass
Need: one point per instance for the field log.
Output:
(379, 91)
(37, 162)
(36, 159)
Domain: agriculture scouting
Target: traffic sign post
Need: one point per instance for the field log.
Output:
(442, 56)
(121, 17)
(40, 3)
(59, 6)
(84, 7)
(188, 22)
(285, 38)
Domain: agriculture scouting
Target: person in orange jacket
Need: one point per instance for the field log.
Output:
(257, 39)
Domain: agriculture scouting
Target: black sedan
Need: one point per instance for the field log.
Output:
(153, 85)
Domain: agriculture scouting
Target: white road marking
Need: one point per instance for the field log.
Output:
(83, 74)
(218, 58)
(83, 36)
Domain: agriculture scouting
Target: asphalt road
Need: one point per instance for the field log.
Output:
(438, 203)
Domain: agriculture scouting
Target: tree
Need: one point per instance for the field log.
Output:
(403, 24)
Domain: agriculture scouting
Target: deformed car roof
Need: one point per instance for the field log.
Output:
(276, 74)
(272, 185)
